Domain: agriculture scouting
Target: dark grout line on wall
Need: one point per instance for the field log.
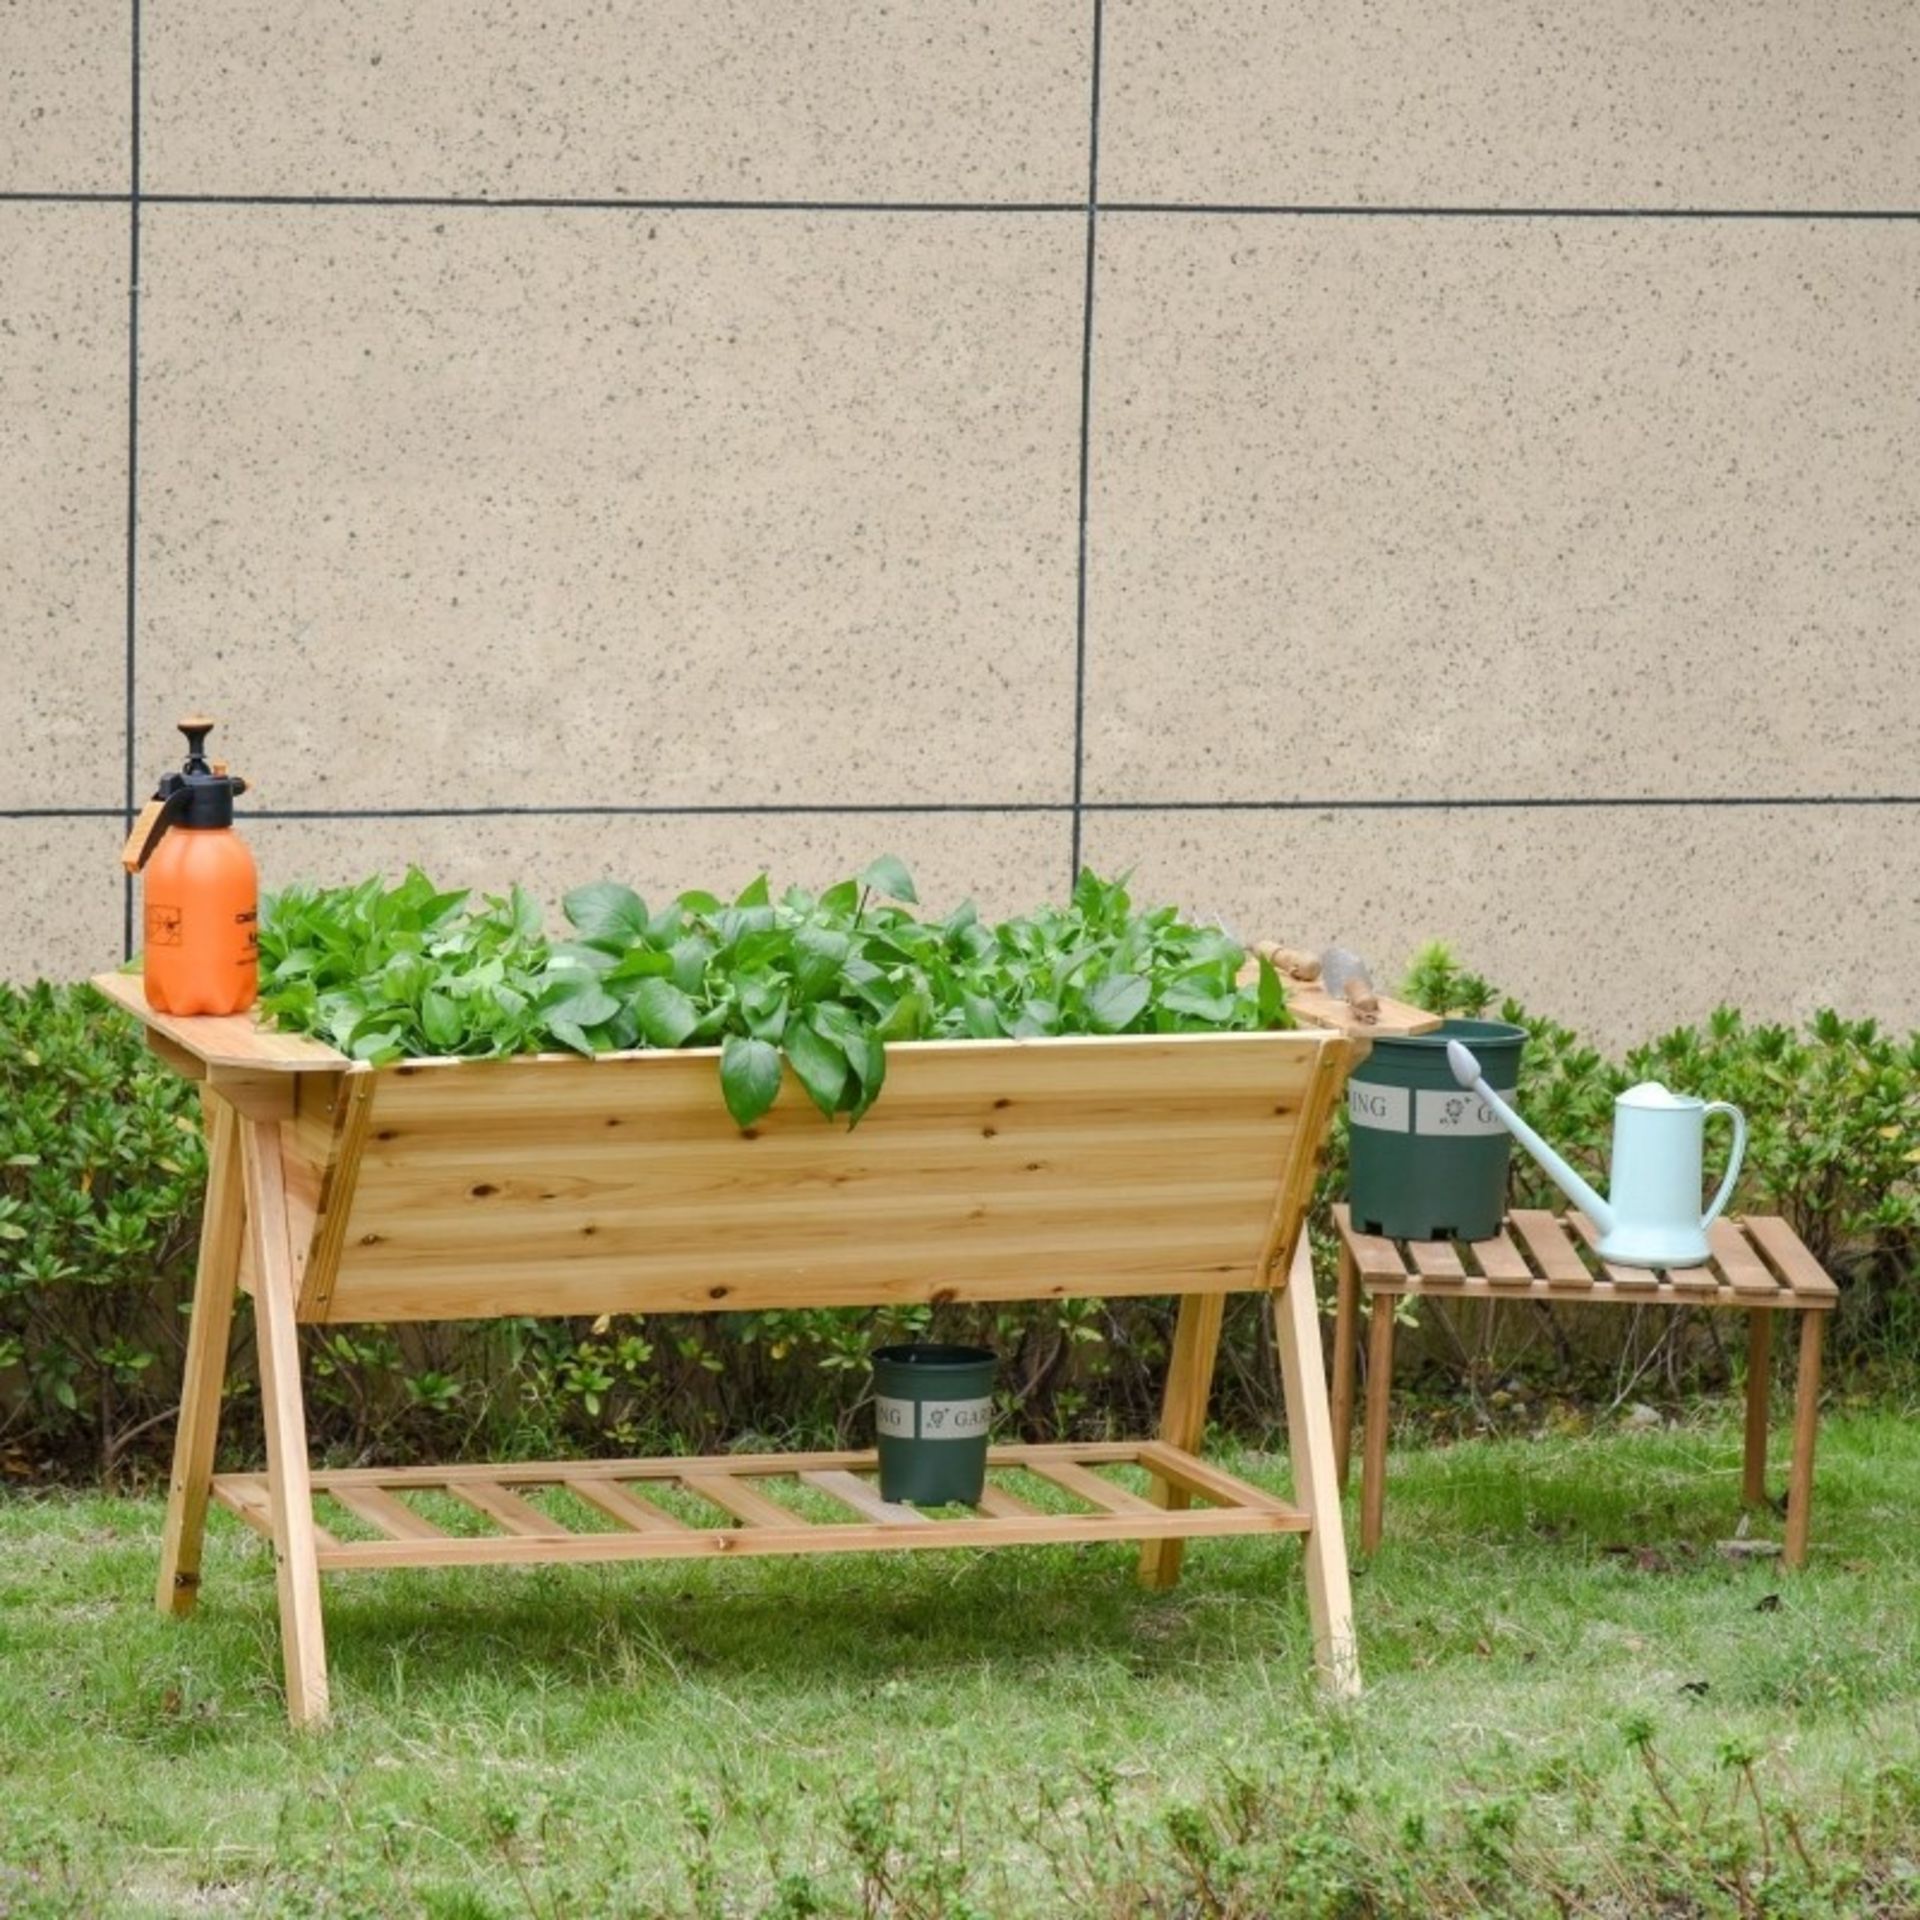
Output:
(1264, 210)
(465, 202)
(1086, 463)
(1519, 803)
(1257, 210)
(804, 809)
(133, 464)
(666, 809)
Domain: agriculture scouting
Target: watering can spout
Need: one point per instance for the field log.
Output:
(1466, 1070)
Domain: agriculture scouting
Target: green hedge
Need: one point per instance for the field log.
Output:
(101, 1171)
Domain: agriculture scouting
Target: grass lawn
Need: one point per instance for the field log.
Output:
(1575, 1704)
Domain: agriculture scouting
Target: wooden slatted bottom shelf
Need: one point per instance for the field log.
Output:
(683, 1508)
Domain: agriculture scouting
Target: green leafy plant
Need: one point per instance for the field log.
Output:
(1436, 980)
(819, 983)
(101, 1172)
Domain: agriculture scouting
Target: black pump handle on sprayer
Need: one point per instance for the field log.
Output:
(198, 795)
(196, 726)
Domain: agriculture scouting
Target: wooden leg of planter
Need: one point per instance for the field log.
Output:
(1806, 1419)
(1753, 1486)
(1346, 1317)
(289, 1486)
(1183, 1418)
(208, 1332)
(1373, 1464)
(1316, 1479)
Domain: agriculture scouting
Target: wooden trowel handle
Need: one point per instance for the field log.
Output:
(1291, 961)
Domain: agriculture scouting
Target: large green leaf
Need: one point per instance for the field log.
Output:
(406, 976)
(377, 1048)
(579, 997)
(749, 1077)
(868, 1059)
(820, 1066)
(666, 1015)
(523, 913)
(767, 1012)
(889, 875)
(584, 958)
(907, 1018)
(639, 963)
(819, 954)
(1272, 995)
(440, 1019)
(607, 911)
(1198, 1002)
(982, 1017)
(1115, 1004)
(569, 1033)
(689, 958)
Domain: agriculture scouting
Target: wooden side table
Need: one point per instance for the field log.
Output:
(1760, 1267)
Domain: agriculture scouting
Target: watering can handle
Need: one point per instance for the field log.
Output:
(1739, 1153)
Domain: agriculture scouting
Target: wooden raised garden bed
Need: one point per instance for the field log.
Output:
(990, 1170)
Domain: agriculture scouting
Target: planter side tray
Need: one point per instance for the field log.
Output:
(236, 1041)
(252, 1067)
(1313, 1006)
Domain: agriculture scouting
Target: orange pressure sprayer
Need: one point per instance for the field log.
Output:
(202, 890)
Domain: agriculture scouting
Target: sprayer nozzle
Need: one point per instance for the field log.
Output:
(196, 726)
(1466, 1069)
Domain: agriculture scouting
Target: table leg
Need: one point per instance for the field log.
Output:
(289, 1482)
(1346, 1315)
(1316, 1487)
(1373, 1464)
(1806, 1418)
(216, 1277)
(1759, 1384)
(1183, 1418)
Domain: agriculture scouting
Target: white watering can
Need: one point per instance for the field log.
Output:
(1653, 1218)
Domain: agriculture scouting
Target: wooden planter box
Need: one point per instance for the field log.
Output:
(989, 1170)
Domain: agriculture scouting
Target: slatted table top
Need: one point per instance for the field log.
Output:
(1758, 1261)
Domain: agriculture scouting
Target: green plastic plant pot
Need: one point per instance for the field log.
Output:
(933, 1407)
(1429, 1162)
